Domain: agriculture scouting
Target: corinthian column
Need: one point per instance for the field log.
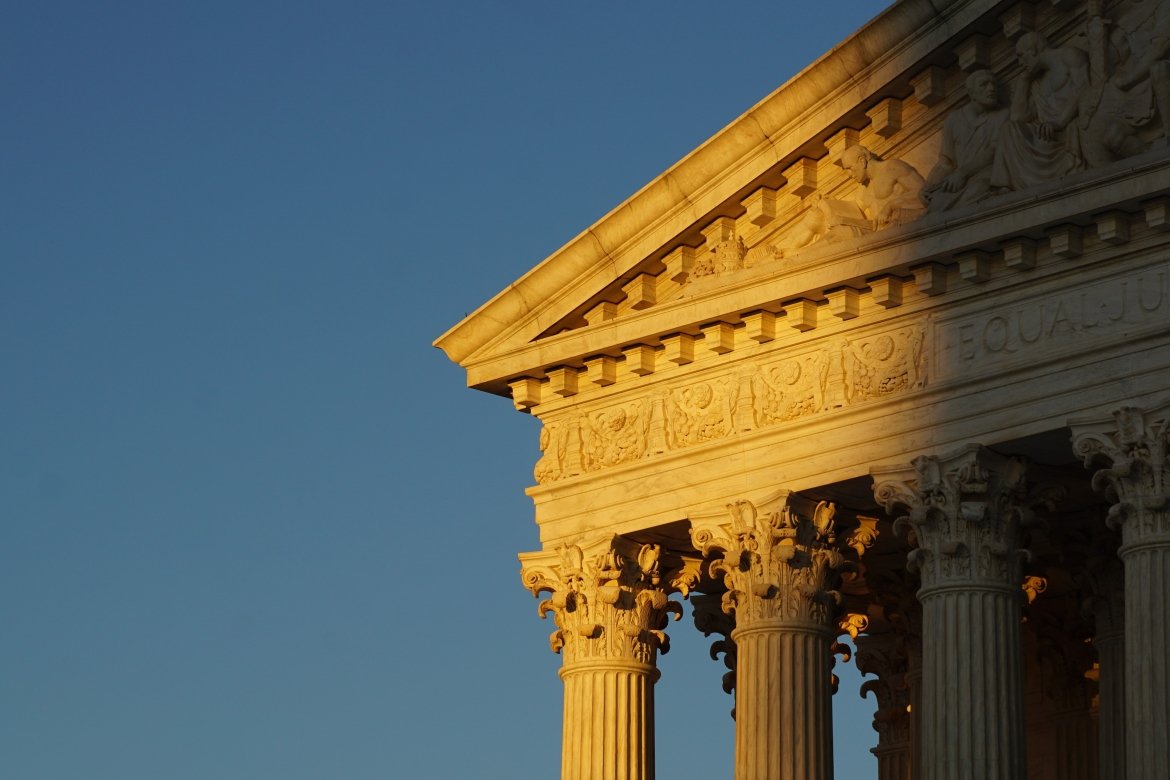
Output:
(610, 604)
(777, 566)
(1130, 451)
(964, 510)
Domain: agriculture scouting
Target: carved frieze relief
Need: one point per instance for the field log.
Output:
(846, 372)
(614, 436)
(789, 389)
(884, 364)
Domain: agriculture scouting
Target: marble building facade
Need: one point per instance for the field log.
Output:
(886, 358)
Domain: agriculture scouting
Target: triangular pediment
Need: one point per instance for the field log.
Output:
(872, 167)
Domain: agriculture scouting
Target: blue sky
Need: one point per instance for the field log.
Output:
(252, 525)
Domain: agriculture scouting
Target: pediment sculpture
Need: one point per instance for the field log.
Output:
(1102, 97)
(1062, 91)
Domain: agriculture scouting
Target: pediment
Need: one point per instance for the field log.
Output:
(880, 165)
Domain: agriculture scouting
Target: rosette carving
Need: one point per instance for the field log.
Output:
(778, 565)
(965, 511)
(1128, 454)
(609, 599)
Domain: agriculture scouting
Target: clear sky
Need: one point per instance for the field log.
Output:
(252, 525)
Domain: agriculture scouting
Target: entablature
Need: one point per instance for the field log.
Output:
(929, 261)
(1000, 361)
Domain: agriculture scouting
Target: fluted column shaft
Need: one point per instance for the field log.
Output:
(777, 560)
(783, 708)
(972, 724)
(1147, 662)
(608, 727)
(965, 511)
(610, 603)
(893, 762)
(1131, 455)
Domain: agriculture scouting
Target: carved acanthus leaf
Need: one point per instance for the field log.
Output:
(1129, 455)
(777, 563)
(864, 536)
(609, 598)
(965, 509)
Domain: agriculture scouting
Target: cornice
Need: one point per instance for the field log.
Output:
(791, 122)
(1037, 215)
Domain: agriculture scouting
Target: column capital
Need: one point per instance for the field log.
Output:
(883, 655)
(1128, 454)
(609, 598)
(711, 619)
(775, 557)
(965, 510)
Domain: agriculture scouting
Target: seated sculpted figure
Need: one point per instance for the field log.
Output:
(891, 195)
(1041, 142)
(963, 173)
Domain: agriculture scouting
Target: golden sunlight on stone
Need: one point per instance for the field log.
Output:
(895, 375)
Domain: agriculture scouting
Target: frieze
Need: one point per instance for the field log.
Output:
(884, 365)
(791, 388)
(614, 436)
(847, 371)
(701, 412)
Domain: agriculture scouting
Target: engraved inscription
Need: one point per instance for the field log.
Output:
(1106, 310)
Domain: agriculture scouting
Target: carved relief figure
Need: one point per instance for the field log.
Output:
(1130, 58)
(614, 436)
(548, 468)
(828, 219)
(560, 451)
(891, 195)
(700, 413)
(962, 175)
(893, 189)
(794, 388)
(883, 365)
(1041, 143)
(726, 256)
(761, 254)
